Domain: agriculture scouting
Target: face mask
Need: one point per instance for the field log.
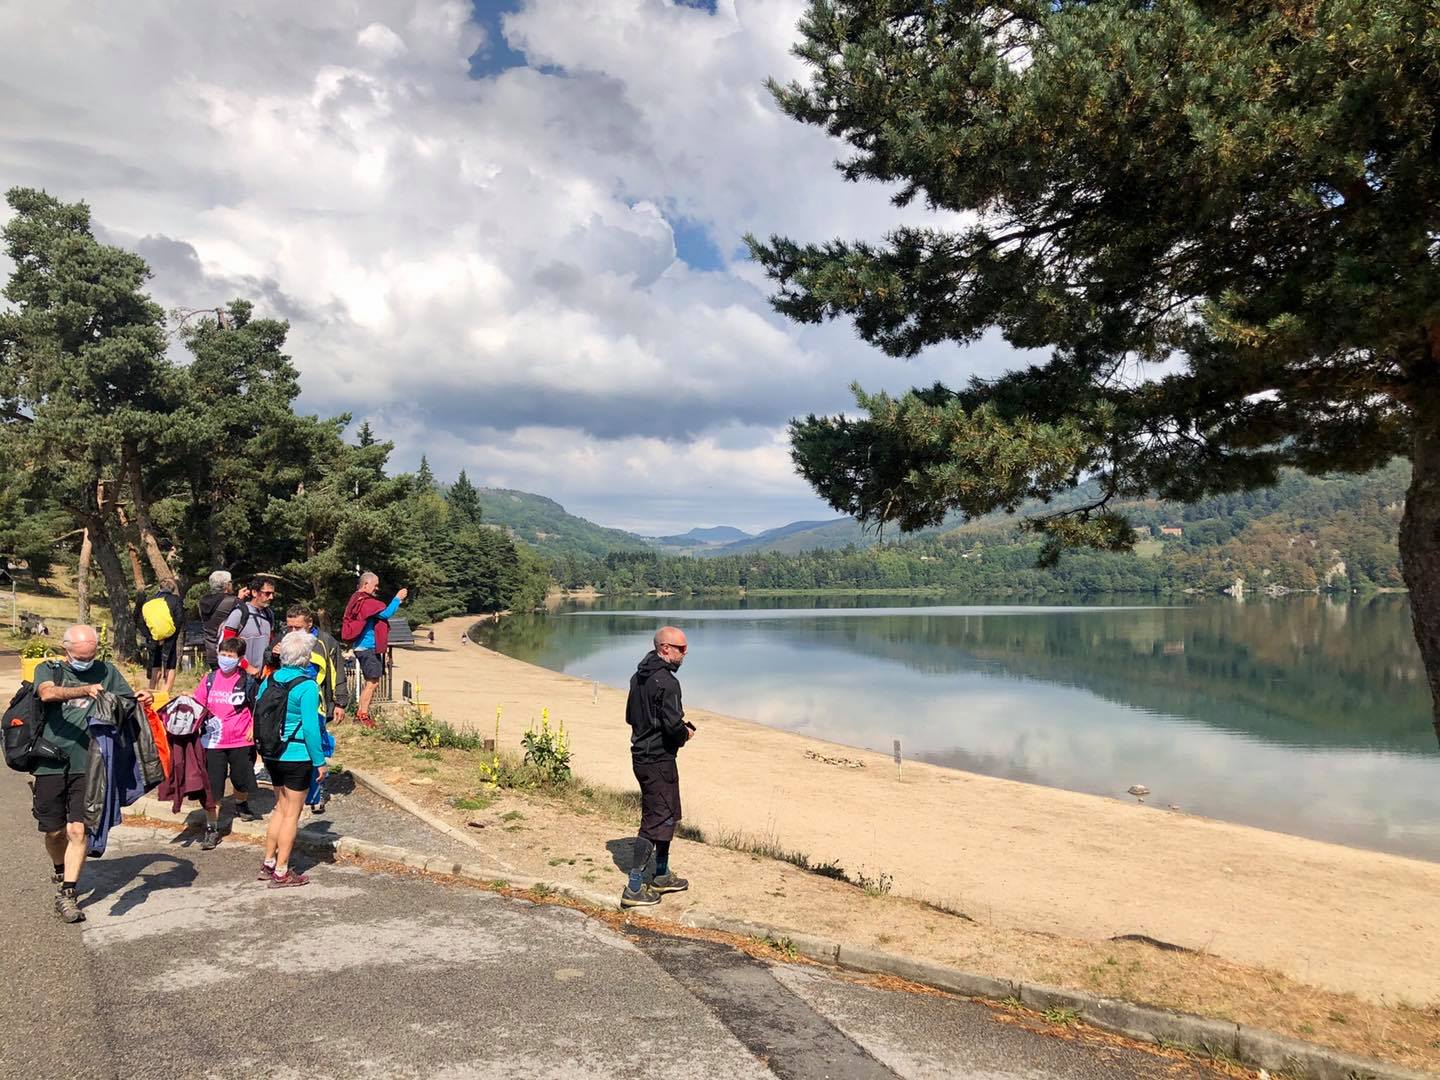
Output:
(228, 663)
(81, 665)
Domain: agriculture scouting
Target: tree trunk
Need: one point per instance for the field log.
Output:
(142, 520)
(1420, 526)
(118, 594)
(82, 581)
(137, 568)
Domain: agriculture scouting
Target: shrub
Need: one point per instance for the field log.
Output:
(548, 751)
(419, 729)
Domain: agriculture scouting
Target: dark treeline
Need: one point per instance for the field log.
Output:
(1306, 533)
(117, 457)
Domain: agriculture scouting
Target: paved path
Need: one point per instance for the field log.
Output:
(187, 965)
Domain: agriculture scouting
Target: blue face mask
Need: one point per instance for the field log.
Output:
(80, 665)
(228, 663)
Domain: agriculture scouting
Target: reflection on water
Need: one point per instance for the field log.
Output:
(1301, 715)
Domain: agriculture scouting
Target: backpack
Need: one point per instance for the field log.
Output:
(26, 747)
(158, 619)
(352, 626)
(270, 718)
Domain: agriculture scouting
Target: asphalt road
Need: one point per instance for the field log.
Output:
(188, 966)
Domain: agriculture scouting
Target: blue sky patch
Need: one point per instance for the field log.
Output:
(694, 244)
(495, 55)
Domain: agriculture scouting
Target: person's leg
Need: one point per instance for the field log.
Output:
(662, 858)
(289, 803)
(242, 780)
(170, 671)
(639, 861)
(667, 794)
(215, 769)
(367, 691)
(277, 822)
(55, 848)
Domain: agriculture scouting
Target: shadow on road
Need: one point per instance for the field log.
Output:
(108, 877)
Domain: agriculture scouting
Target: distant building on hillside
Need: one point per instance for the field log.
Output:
(1171, 530)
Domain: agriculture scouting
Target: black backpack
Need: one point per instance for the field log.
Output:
(270, 716)
(26, 747)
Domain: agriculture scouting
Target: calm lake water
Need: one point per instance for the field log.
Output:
(1301, 715)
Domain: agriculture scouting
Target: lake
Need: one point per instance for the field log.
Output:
(1303, 715)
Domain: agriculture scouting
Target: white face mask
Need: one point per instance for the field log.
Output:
(228, 663)
(81, 665)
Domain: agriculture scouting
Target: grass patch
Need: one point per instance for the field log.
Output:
(512, 815)
(427, 755)
(1065, 1017)
(478, 801)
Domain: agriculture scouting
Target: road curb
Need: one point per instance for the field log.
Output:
(1250, 1046)
(440, 865)
(386, 791)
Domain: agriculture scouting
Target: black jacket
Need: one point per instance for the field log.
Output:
(654, 712)
(215, 608)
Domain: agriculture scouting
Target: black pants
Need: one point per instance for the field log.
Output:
(659, 799)
(239, 763)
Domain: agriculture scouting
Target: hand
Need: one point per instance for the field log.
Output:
(243, 593)
(94, 690)
(402, 594)
(690, 732)
(339, 717)
(322, 772)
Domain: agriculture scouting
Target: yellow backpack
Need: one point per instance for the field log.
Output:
(158, 619)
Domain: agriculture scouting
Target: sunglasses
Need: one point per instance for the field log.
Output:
(678, 648)
(267, 592)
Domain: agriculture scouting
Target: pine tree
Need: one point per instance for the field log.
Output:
(364, 437)
(465, 500)
(83, 374)
(1220, 220)
(424, 478)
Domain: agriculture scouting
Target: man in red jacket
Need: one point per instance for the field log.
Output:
(366, 626)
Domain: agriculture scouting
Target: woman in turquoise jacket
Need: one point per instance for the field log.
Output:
(301, 758)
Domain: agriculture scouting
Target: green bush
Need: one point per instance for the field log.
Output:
(548, 751)
(415, 728)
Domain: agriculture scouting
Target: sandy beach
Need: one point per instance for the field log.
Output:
(1021, 856)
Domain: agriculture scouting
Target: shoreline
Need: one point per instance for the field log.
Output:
(1028, 857)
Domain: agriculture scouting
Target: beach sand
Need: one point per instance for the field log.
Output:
(1020, 856)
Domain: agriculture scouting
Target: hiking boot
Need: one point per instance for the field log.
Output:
(645, 897)
(288, 880)
(663, 883)
(267, 872)
(319, 807)
(67, 906)
(211, 838)
(57, 878)
(244, 812)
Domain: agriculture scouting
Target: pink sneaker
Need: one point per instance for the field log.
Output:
(288, 880)
(267, 873)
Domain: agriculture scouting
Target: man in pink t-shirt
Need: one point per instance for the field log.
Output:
(228, 735)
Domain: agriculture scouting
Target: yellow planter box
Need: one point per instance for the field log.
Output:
(28, 664)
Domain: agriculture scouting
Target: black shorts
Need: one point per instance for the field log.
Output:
(163, 655)
(290, 775)
(59, 800)
(236, 761)
(372, 664)
(659, 799)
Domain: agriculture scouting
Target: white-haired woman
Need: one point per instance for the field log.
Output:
(299, 758)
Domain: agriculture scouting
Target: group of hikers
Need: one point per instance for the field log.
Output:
(269, 693)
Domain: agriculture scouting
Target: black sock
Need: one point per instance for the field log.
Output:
(68, 886)
(59, 868)
(662, 857)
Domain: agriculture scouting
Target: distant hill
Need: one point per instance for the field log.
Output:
(544, 525)
(717, 534)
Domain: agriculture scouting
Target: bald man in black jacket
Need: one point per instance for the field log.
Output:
(658, 730)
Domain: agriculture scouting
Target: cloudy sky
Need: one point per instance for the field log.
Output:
(508, 233)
